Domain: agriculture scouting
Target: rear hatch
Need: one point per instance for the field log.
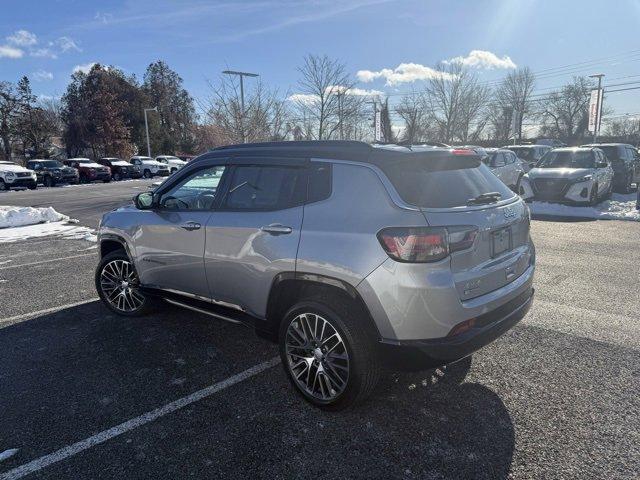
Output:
(460, 193)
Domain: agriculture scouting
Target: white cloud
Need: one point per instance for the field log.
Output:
(23, 38)
(43, 53)
(309, 99)
(66, 43)
(85, 68)
(7, 51)
(42, 76)
(403, 73)
(483, 59)
(103, 17)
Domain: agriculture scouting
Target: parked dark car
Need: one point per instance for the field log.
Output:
(53, 172)
(120, 169)
(625, 161)
(89, 170)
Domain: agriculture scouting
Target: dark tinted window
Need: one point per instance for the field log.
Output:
(444, 183)
(611, 151)
(266, 188)
(319, 182)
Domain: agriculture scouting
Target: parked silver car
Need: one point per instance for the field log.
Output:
(352, 258)
(505, 165)
(574, 175)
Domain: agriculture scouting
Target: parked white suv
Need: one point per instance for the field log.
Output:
(174, 163)
(505, 165)
(149, 166)
(13, 175)
(570, 175)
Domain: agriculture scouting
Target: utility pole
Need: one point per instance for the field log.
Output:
(146, 127)
(596, 128)
(241, 75)
(374, 102)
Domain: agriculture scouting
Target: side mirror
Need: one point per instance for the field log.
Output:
(143, 201)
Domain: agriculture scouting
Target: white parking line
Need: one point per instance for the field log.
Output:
(134, 423)
(94, 254)
(37, 313)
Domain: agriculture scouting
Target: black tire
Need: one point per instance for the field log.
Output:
(593, 196)
(108, 180)
(148, 304)
(83, 178)
(626, 188)
(33, 187)
(147, 173)
(3, 186)
(49, 182)
(117, 177)
(361, 344)
(518, 185)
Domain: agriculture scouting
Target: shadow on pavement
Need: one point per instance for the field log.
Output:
(67, 375)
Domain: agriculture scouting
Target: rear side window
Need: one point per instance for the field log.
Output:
(319, 182)
(444, 183)
(255, 187)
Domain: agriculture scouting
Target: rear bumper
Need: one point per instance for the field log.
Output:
(421, 354)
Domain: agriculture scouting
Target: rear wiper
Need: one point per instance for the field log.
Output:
(489, 197)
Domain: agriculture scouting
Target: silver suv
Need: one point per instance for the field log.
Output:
(353, 258)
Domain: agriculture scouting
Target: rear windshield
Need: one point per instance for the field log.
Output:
(444, 183)
(612, 152)
(568, 159)
(524, 152)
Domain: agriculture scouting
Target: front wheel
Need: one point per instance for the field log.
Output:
(328, 353)
(627, 184)
(147, 174)
(118, 286)
(593, 196)
(48, 182)
(3, 186)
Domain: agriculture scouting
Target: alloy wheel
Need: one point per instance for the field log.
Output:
(317, 357)
(119, 284)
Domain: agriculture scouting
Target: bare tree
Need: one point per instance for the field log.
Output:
(265, 115)
(455, 99)
(564, 112)
(513, 94)
(9, 106)
(413, 112)
(627, 128)
(324, 97)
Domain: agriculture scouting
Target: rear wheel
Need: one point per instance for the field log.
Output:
(48, 182)
(117, 177)
(626, 188)
(147, 173)
(518, 186)
(328, 353)
(593, 196)
(83, 178)
(118, 285)
(3, 186)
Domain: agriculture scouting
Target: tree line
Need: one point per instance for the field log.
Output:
(102, 111)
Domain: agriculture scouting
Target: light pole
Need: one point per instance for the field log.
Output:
(146, 127)
(241, 75)
(596, 128)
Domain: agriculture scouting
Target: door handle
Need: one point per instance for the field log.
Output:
(191, 226)
(276, 229)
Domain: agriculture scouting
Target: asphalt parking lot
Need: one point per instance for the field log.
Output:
(87, 394)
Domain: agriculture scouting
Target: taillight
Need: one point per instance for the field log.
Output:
(425, 244)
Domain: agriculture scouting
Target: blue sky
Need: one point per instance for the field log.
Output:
(200, 38)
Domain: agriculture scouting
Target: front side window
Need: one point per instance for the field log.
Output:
(256, 187)
(195, 192)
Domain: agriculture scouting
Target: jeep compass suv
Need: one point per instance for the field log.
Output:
(353, 258)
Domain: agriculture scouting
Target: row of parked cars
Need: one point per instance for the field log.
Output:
(581, 175)
(84, 170)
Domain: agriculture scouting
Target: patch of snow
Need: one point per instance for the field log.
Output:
(21, 216)
(19, 223)
(620, 207)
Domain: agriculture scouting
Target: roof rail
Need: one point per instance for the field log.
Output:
(347, 144)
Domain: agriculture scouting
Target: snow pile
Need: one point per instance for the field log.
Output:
(21, 216)
(19, 223)
(620, 207)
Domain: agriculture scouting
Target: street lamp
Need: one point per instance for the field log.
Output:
(596, 128)
(241, 75)
(146, 127)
